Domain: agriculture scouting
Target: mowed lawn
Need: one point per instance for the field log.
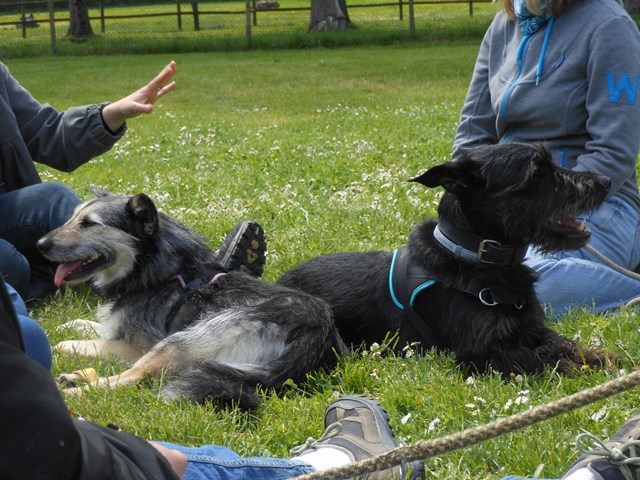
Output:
(315, 145)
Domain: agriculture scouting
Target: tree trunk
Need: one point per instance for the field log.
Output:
(79, 24)
(329, 15)
(631, 6)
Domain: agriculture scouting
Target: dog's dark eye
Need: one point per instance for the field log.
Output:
(86, 223)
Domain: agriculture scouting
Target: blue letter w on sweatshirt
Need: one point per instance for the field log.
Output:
(623, 85)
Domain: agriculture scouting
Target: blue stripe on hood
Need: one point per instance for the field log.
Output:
(520, 57)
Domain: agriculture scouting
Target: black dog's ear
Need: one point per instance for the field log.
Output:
(98, 192)
(540, 163)
(143, 209)
(455, 177)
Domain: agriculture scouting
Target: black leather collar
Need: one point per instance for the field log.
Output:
(471, 247)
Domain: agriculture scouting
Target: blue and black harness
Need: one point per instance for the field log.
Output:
(408, 280)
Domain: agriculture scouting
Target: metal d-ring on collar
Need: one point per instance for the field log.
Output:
(487, 252)
(486, 292)
(195, 283)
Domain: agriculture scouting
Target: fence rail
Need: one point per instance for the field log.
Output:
(52, 13)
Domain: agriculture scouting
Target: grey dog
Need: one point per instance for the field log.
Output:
(174, 309)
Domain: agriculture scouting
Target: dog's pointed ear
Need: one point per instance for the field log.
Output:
(540, 163)
(98, 192)
(455, 177)
(143, 209)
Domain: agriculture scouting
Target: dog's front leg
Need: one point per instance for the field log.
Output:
(557, 348)
(85, 328)
(551, 351)
(148, 366)
(100, 347)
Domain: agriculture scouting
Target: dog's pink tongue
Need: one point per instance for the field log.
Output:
(64, 270)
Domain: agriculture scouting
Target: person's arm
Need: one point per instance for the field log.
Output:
(65, 140)
(107, 453)
(613, 102)
(477, 118)
(40, 439)
(38, 436)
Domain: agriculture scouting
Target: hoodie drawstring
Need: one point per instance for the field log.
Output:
(545, 43)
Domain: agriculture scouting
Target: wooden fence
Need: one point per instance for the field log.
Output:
(191, 9)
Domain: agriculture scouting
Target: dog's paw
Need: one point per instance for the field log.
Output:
(79, 377)
(598, 360)
(74, 391)
(85, 328)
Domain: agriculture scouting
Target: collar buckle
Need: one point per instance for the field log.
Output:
(483, 249)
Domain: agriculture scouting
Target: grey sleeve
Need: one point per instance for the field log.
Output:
(62, 140)
(108, 454)
(477, 118)
(613, 102)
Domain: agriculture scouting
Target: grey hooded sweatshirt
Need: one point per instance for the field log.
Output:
(31, 132)
(572, 85)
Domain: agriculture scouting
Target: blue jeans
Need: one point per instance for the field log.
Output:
(28, 214)
(577, 279)
(510, 477)
(34, 338)
(211, 462)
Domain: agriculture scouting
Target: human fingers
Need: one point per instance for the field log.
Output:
(163, 77)
(166, 89)
(176, 459)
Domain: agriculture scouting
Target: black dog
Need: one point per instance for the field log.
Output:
(460, 284)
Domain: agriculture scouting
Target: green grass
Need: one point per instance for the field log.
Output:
(315, 145)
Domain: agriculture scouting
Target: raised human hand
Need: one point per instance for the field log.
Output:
(141, 101)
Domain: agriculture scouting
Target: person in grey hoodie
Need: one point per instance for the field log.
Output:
(565, 73)
(31, 132)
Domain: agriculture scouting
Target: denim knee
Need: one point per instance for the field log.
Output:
(36, 342)
(14, 268)
(62, 201)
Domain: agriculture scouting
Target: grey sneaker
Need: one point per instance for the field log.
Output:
(359, 427)
(616, 459)
(244, 248)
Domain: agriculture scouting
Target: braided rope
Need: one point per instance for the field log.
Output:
(617, 268)
(438, 446)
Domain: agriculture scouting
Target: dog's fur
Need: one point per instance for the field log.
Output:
(218, 340)
(512, 194)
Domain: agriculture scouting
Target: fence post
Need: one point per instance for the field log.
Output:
(247, 6)
(412, 19)
(255, 12)
(52, 27)
(102, 25)
(471, 8)
(23, 21)
(196, 15)
(179, 10)
(401, 7)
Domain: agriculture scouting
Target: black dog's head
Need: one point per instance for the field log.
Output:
(514, 193)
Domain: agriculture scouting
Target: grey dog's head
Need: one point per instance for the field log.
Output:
(102, 239)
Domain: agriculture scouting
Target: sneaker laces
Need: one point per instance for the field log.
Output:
(331, 431)
(614, 455)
